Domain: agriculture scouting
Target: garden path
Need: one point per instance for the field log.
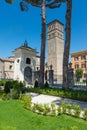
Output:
(41, 98)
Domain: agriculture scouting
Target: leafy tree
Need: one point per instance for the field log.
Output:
(8, 86)
(79, 73)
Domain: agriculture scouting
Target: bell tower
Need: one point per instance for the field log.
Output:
(56, 49)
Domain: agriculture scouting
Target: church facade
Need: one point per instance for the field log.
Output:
(21, 66)
(24, 62)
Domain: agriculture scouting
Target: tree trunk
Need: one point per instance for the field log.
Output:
(67, 44)
(43, 43)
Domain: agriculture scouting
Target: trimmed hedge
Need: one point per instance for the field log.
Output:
(71, 94)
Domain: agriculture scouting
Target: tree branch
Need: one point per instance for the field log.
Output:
(55, 4)
(38, 4)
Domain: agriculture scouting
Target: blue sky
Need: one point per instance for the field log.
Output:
(16, 26)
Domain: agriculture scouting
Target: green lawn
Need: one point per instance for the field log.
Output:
(14, 117)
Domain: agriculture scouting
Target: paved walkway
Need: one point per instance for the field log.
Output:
(40, 98)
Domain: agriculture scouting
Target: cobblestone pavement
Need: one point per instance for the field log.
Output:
(40, 98)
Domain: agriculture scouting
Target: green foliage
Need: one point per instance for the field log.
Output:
(36, 84)
(46, 85)
(46, 109)
(26, 101)
(39, 108)
(16, 87)
(77, 110)
(5, 96)
(85, 114)
(15, 94)
(22, 87)
(53, 109)
(2, 82)
(72, 94)
(79, 73)
(8, 86)
(69, 108)
(59, 110)
(63, 105)
(34, 107)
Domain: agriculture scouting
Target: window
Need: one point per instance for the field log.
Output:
(76, 58)
(83, 65)
(76, 66)
(28, 61)
(10, 67)
(17, 60)
(83, 56)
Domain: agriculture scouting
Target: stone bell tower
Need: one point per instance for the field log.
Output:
(56, 49)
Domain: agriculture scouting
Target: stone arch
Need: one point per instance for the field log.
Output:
(28, 75)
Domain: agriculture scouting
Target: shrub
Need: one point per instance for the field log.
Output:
(85, 114)
(77, 110)
(46, 109)
(63, 105)
(53, 109)
(7, 87)
(69, 109)
(16, 85)
(34, 107)
(73, 94)
(5, 96)
(46, 85)
(15, 94)
(22, 87)
(59, 110)
(26, 101)
(40, 108)
(2, 82)
(36, 84)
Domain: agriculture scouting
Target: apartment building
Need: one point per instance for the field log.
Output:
(79, 60)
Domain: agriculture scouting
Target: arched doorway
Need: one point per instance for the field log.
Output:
(28, 75)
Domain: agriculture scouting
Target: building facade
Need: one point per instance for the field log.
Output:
(6, 68)
(21, 66)
(56, 49)
(24, 63)
(79, 60)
